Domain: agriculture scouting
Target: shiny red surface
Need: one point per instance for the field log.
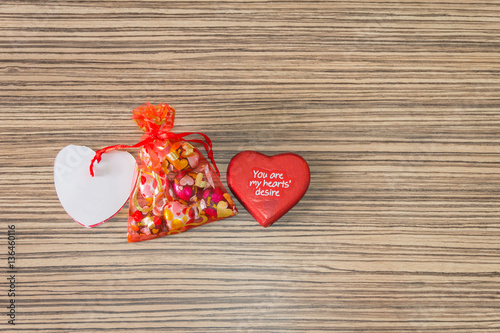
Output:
(268, 209)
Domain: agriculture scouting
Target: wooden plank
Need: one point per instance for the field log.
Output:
(394, 104)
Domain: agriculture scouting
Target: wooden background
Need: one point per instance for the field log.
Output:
(394, 104)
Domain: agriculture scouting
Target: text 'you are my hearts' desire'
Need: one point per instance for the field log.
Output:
(269, 183)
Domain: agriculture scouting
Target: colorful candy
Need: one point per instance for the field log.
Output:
(176, 188)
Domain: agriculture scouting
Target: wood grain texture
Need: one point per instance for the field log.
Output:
(394, 104)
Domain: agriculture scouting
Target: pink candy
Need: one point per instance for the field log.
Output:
(186, 180)
(217, 196)
(185, 194)
(193, 160)
(212, 213)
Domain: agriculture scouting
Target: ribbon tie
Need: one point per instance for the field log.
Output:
(157, 129)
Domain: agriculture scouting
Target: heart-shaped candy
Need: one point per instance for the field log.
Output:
(268, 186)
(91, 201)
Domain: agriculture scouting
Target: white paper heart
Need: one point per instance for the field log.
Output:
(91, 201)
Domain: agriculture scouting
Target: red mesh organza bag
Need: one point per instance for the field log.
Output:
(177, 189)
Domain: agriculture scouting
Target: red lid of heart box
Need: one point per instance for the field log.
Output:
(268, 186)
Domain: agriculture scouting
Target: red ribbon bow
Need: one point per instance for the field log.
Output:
(157, 133)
